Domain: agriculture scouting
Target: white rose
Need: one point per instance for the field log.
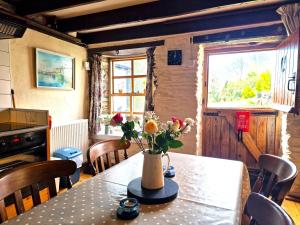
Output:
(164, 126)
(170, 124)
(130, 118)
(136, 119)
(189, 121)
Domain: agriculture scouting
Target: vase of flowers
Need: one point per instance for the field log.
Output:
(159, 138)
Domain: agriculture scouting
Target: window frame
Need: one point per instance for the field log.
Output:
(225, 49)
(132, 77)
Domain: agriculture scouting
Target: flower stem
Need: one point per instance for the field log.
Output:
(139, 143)
(153, 143)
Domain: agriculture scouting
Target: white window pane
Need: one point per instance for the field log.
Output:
(121, 103)
(240, 79)
(122, 85)
(138, 103)
(140, 66)
(122, 68)
(139, 85)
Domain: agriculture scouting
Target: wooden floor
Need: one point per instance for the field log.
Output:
(293, 209)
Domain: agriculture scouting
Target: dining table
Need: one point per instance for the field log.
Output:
(211, 192)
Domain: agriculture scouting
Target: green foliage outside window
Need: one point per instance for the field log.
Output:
(240, 79)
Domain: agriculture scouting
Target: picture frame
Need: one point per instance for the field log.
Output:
(54, 70)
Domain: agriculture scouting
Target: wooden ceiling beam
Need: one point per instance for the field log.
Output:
(138, 13)
(277, 30)
(34, 7)
(125, 47)
(210, 22)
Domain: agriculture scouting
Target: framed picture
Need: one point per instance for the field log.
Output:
(54, 70)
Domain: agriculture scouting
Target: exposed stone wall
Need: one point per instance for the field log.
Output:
(290, 145)
(178, 88)
(105, 86)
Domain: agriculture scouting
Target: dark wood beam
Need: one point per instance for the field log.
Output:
(128, 46)
(137, 13)
(257, 32)
(210, 22)
(43, 29)
(38, 6)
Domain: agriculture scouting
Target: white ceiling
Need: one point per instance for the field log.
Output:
(95, 7)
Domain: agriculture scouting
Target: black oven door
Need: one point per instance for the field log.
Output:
(23, 156)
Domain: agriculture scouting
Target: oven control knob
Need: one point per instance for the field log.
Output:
(29, 139)
(3, 144)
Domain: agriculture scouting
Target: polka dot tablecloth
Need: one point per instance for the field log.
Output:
(212, 191)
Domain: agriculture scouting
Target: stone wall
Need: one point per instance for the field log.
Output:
(178, 88)
(290, 145)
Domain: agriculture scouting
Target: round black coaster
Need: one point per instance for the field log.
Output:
(145, 196)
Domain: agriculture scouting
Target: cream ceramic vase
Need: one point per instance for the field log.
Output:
(153, 175)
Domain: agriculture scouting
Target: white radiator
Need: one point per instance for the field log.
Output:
(72, 134)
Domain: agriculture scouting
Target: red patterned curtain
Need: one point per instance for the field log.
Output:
(95, 95)
(151, 80)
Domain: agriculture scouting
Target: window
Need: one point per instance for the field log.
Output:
(128, 87)
(240, 80)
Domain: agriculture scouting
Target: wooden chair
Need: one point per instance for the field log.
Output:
(98, 151)
(31, 175)
(276, 177)
(263, 211)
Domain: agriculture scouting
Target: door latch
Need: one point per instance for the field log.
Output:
(292, 83)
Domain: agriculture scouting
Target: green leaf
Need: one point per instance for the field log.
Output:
(135, 134)
(161, 139)
(175, 144)
(145, 135)
(131, 125)
(165, 148)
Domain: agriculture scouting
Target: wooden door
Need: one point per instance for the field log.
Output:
(220, 138)
(287, 80)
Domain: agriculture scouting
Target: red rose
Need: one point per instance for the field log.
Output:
(117, 119)
(174, 119)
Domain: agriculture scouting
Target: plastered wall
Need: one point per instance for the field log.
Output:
(62, 105)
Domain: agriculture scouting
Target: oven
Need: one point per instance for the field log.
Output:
(21, 148)
(22, 145)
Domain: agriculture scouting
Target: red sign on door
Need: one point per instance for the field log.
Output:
(242, 121)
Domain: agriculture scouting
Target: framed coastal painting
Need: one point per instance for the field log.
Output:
(54, 70)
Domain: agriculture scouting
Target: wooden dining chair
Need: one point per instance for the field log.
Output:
(263, 211)
(31, 175)
(100, 152)
(276, 177)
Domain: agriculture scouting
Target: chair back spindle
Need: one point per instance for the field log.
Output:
(31, 175)
(276, 177)
(100, 152)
